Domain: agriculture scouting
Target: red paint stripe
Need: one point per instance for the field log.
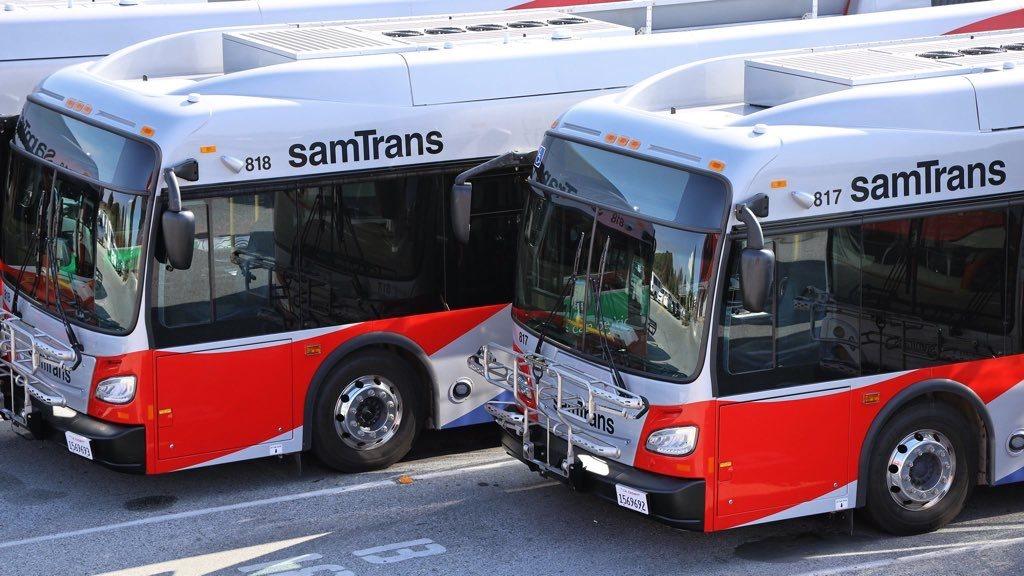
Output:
(558, 3)
(1013, 19)
(435, 331)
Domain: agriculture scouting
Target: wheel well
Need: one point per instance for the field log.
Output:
(967, 409)
(953, 394)
(422, 372)
(400, 346)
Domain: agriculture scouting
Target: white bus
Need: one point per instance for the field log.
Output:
(270, 259)
(857, 213)
(38, 37)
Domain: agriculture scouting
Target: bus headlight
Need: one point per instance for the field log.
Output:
(673, 441)
(116, 390)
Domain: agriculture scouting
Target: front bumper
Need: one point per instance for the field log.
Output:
(118, 447)
(677, 502)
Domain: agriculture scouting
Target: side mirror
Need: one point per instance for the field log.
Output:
(757, 273)
(462, 189)
(178, 229)
(462, 203)
(757, 263)
(177, 226)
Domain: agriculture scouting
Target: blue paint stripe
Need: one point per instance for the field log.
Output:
(1017, 476)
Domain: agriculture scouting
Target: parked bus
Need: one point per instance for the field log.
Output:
(277, 263)
(38, 37)
(856, 333)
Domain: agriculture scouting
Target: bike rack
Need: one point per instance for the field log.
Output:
(558, 399)
(25, 349)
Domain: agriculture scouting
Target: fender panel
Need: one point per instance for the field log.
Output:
(898, 402)
(354, 346)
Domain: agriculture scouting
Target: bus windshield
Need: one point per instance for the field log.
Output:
(76, 231)
(611, 282)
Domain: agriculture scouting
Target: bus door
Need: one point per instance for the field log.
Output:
(224, 370)
(783, 416)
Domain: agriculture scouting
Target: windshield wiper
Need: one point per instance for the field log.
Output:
(564, 292)
(600, 315)
(55, 277)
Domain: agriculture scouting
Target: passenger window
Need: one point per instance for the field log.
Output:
(874, 298)
(935, 290)
(321, 255)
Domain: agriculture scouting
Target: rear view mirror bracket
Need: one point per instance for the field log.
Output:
(462, 189)
(178, 226)
(757, 263)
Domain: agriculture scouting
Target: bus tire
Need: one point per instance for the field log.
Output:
(922, 469)
(368, 413)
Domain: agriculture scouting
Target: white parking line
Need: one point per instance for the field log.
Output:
(390, 482)
(951, 549)
(531, 487)
(980, 528)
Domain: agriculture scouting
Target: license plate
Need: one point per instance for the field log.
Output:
(78, 444)
(631, 498)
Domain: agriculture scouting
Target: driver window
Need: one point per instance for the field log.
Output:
(810, 331)
(184, 299)
(748, 343)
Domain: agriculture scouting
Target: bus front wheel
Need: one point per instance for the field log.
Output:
(368, 413)
(922, 469)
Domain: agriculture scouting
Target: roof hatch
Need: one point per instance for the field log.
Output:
(263, 47)
(775, 80)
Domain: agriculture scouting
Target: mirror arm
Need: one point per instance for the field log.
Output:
(462, 189)
(755, 235)
(506, 160)
(173, 190)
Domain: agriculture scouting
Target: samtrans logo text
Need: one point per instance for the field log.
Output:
(366, 145)
(58, 372)
(596, 421)
(930, 177)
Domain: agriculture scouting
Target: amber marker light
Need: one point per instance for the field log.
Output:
(207, 149)
(716, 165)
(779, 184)
(78, 106)
(147, 131)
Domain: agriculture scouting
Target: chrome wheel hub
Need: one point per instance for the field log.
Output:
(921, 469)
(368, 412)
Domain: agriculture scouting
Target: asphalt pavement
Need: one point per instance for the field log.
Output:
(458, 505)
